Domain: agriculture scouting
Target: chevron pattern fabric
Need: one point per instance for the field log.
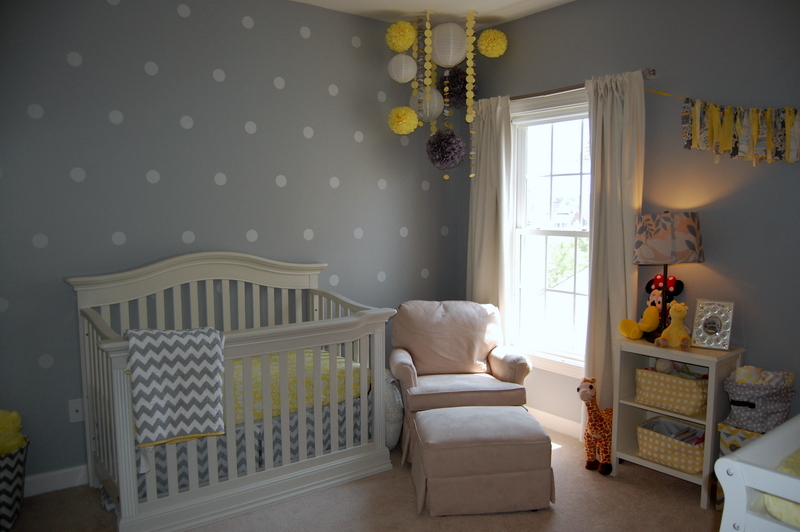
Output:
(176, 382)
(12, 486)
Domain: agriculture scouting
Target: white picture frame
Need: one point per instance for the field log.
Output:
(712, 322)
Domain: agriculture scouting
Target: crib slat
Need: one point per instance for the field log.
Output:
(191, 458)
(161, 313)
(283, 364)
(213, 463)
(284, 306)
(271, 306)
(141, 310)
(249, 424)
(348, 393)
(230, 421)
(302, 430)
(365, 359)
(150, 480)
(226, 305)
(193, 306)
(318, 446)
(334, 399)
(241, 315)
(124, 317)
(172, 469)
(266, 408)
(256, 305)
(298, 306)
(177, 308)
(210, 306)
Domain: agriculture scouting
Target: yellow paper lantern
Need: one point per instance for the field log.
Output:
(449, 44)
(402, 68)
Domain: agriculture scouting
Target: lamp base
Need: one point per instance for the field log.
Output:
(652, 335)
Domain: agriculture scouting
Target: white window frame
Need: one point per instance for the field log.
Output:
(569, 105)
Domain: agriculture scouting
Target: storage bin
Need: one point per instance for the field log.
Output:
(12, 486)
(675, 394)
(657, 443)
(757, 407)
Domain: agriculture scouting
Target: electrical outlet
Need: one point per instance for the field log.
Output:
(75, 410)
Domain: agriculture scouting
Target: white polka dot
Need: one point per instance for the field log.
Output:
(187, 122)
(77, 174)
(35, 111)
(358, 233)
(334, 280)
(308, 132)
(381, 277)
(356, 42)
(445, 230)
(279, 82)
(358, 136)
(219, 75)
(381, 96)
(404, 232)
(305, 33)
(3, 304)
(75, 59)
(113, 2)
(250, 127)
(248, 22)
(153, 176)
(251, 235)
(308, 234)
(424, 273)
(220, 179)
(40, 240)
(116, 117)
(184, 11)
(426, 186)
(280, 181)
(188, 237)
(333, 90)
(151, 68)
(46, 361)
(334, 181)
(404, 140)
(119, 238)
(382, 184)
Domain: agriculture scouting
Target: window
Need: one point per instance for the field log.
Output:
(551, 233)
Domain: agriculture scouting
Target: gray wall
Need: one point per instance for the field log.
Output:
(78, 195)
(730, 52)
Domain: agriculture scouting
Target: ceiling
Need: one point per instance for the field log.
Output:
(488, 12)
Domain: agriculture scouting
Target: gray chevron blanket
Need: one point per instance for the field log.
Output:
(176, 382)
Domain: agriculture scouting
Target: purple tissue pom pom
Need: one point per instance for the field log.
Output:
(445, 149)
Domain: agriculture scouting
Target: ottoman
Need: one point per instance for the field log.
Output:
(481, 459)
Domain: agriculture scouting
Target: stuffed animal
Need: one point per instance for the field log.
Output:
(597, 436)
(666, 366)
(651, 317)
(675, 335)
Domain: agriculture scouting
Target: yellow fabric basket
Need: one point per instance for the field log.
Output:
(675, 394)
(666, 450)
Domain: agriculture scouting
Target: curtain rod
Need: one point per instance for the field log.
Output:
(647, 73)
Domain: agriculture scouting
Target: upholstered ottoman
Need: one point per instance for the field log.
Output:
(481, 459)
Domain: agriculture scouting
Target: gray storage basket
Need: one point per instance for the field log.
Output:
(12, 486)
(757, 407)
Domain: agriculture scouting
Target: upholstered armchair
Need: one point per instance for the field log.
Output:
(450, 353)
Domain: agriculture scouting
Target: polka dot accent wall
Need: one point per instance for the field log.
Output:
(137, 131)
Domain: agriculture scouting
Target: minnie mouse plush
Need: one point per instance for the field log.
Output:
(660, 293)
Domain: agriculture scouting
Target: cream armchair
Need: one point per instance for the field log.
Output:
(450, 353)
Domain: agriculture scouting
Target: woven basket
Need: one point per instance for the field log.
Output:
(675, 394)
(12, 486)
(656, 446)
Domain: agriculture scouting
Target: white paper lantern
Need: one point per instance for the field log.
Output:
(427, 110)
(402, 68)
(449, 44)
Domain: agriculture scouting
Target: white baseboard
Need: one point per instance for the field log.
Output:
(56, 480)
(558, 424)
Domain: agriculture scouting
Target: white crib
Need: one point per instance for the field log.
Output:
(749, 474)
(269, 312)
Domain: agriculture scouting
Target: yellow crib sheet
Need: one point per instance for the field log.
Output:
(275, 386)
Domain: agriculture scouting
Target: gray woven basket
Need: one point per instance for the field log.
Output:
(12, 486)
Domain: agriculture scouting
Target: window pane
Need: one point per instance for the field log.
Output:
(567, 147)
(538, 150)
(538, 199)
(561, 263)
(566, 203)
(587, 148)
(582, 276)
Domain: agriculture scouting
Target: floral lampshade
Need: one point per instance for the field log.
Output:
(668, 238)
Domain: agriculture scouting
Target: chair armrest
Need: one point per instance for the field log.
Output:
(402, 367)
(508, 367)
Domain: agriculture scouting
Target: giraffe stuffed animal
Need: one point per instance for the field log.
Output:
(597, 437)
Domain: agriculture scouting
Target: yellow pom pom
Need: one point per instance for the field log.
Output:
(492, 43)
(400, 36)
(403, 120)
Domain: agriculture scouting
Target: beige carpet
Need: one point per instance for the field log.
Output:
(639, 499)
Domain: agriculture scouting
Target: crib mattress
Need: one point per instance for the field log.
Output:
(275, 389)
(158, 457)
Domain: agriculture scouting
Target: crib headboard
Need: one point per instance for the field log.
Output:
(225, 290)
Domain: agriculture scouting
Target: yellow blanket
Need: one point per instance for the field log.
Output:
(275, 386)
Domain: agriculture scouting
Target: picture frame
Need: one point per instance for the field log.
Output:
(712, 324)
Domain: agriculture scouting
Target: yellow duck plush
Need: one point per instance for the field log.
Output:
(675, 334)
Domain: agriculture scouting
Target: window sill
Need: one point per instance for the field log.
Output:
(557, 364)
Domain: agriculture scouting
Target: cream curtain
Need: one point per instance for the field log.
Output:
(616, 117)
(489, 246)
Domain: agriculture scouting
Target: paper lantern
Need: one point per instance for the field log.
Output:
(449, 44)
(402, 68)
(428, 109)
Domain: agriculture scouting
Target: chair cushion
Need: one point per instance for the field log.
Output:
(444, 391)
(447, 336)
